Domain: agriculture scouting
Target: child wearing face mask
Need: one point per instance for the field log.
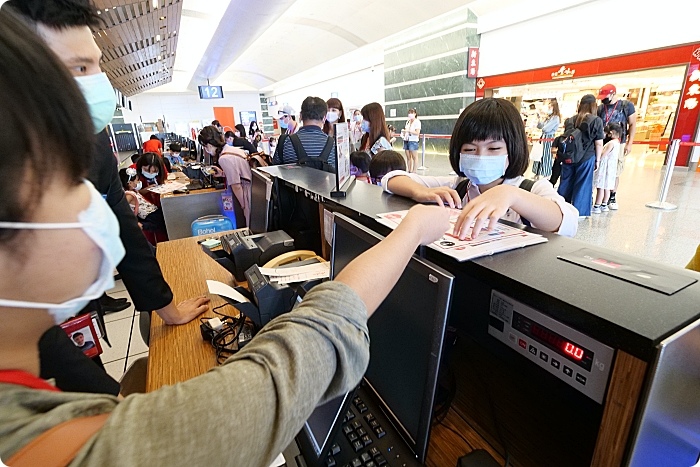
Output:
(151, 172)
(488, 150)
(150, 216)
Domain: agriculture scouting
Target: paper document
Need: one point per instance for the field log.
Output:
(167, 187)
(297, 273)
(502, 238)
(219, 288)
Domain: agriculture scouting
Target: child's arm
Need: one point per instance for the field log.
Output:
(543, 207)
(422, 189)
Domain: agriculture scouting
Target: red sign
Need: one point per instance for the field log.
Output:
(473, 62)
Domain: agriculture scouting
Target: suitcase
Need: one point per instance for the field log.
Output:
(211, 224)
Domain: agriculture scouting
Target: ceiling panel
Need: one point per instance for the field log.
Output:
(138, 40)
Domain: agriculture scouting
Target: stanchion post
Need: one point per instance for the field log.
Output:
(422, 156)
(670, 164)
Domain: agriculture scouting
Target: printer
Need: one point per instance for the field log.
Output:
(246, 249)
(270, 299)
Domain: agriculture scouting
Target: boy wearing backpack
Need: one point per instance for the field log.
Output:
(622, 112)
(607, 169)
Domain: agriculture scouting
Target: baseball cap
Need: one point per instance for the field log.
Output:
(606, 90)
(286, 110)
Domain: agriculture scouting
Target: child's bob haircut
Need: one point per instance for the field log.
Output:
(496, 119)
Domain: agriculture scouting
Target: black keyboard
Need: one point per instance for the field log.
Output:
(368, 439)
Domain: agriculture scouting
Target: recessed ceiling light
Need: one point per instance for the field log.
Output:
(162, 18)
(157, 37)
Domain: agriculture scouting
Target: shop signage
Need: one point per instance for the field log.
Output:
(473, 68)
(563, 73)
(696, 54)
(481, 83)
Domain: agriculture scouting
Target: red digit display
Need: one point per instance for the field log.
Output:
(571, 349)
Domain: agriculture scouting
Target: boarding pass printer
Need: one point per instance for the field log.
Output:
(246, 249)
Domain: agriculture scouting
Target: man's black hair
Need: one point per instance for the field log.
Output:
(229, 134)
(135, 157)
(78, 334)
(313, 108)
(175, 147)
(57, 14)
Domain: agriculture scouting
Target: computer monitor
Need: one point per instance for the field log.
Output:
(320, 429)
(261, 189)
(406, 334)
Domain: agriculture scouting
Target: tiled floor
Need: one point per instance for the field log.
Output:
(666, 237)
(124, 335)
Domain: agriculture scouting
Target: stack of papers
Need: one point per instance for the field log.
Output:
(502, 238)
(297, 273)
(167, 187)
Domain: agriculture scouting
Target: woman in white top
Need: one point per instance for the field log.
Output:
(411, 135)
(489, 148)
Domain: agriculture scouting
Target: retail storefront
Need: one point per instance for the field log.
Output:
(663, 84)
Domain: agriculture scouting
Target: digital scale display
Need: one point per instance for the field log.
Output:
(556, 342)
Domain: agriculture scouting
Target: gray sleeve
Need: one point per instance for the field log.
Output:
(246, 411)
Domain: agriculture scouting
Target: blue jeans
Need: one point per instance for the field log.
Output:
(576, 185)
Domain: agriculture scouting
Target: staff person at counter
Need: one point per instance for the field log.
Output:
(65, 27)
(299, 360)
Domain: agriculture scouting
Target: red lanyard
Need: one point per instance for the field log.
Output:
(609, 115)
(22, 378)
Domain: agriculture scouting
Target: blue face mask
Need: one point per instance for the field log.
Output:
(101, 225)
(482, 170)
(100, 98)
(283, 123)
(148, 175)
(365, 126)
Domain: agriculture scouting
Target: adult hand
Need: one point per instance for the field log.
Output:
(428, 222)
(628, 147)
(486, 208)
(597, 164)
(217, 172)
(439, 195)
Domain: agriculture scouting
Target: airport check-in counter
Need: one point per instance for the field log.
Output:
(565, 353)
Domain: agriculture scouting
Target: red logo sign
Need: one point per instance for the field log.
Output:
(481, 83)
(696, 54)
(473, 62)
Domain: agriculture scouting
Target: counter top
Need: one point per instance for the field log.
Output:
(618, 313)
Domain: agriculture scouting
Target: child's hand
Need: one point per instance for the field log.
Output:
(440, 195)
(487, 207)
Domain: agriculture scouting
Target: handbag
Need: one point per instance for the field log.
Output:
(536, 151)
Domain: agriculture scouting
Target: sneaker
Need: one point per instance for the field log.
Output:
(613, 205)
(595, 210)
(604, 208)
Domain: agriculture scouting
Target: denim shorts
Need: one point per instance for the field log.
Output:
(410, 145)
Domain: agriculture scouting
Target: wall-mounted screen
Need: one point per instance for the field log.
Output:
(211, 92)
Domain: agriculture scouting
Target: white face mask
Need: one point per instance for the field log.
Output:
(332, 116)
(411, 116)
(138, 186)
(101, 225)
(358, 118)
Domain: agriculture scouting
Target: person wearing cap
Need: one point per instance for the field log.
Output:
(287, 120)
(620, 111)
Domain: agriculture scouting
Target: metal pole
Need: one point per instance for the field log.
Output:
(670, 164)
(422, 157)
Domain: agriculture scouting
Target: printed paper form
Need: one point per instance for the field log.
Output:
(219, 288)
(502, 238)
(298, 273)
